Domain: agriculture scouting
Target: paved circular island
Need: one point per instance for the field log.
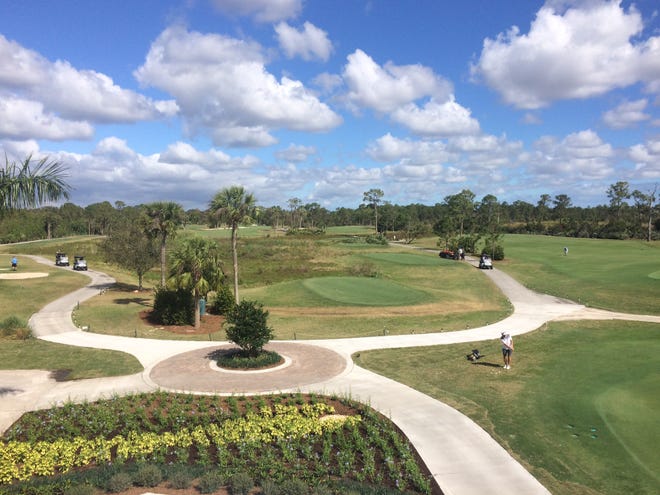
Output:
(195, 371)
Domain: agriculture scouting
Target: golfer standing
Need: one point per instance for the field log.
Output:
(507, 349)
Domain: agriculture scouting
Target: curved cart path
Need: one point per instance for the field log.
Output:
(463, 458)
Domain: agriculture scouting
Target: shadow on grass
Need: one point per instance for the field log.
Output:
(485, 363)
(142, 301)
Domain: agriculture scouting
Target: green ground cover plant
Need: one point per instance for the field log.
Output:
(313, 439)
(578, 407)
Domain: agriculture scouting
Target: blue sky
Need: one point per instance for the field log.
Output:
(174, 100)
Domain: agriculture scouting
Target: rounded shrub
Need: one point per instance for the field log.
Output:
(119, 482)
(241, 484)
(269, 487)
(84, 489)
(322, 490)
(247, 327)
(180, 479)
(294, 487)
(148, 475)
(210, 482)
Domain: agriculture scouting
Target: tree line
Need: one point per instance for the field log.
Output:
(629, 215)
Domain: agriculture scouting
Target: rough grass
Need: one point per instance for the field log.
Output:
(578, 407)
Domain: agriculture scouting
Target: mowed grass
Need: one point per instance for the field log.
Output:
(362, 291)
(71, 363)
(399, 292)
(22, 298)
(579, 408)
(602, 273)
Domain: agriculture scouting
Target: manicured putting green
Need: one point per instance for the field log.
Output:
(406, 259)
(363, 291)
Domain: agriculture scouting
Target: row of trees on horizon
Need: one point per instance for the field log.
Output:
(630, 214)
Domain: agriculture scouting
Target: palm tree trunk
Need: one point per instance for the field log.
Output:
(198, 318)
(234, 229)
(163, 261)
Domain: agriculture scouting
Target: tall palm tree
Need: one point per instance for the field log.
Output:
(234, 206)
(196, 266)
(164, 218)
(26, 185)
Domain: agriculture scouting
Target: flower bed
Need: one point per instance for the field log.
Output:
(275, 438)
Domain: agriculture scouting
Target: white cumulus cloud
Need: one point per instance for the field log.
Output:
(580, 156)
(579, 52)
(68, 100)
(647, 159)
(387, 88)
(224, 90)
(437, 119)
(627, 114)
(310, 43)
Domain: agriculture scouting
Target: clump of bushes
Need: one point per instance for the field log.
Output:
(379, 239)
(14, 327)
(173, 307)
(238, 360)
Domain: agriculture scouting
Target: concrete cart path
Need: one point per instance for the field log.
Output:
(463, 458)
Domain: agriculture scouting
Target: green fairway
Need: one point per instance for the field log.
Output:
(579, 407)
(608, 274)
(361, 291)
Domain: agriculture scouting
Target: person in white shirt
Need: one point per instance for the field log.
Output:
(507, 349)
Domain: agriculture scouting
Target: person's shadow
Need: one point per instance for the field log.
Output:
(484, 363)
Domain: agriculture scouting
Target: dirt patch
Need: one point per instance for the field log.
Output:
(209, 324)
(22, 275)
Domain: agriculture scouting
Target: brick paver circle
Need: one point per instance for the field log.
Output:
(194, 371)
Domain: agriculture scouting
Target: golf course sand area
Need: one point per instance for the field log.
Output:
(22, 275)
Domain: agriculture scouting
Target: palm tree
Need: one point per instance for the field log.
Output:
(25, 185)
(234, 206)
(196, 266)
(164, 218)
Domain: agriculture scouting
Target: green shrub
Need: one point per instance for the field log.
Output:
(247, 327)
(13, 325)
(239, 360)
(180, 479)
(365, 269)
(119, 482)
(174, 307)
(294, 487)
(376, 239)
(83, 489)
(148, 475)
(241, 484)
(269, 487)
(224, 301)
(495, 251)
(210, 482)
(322, 490)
